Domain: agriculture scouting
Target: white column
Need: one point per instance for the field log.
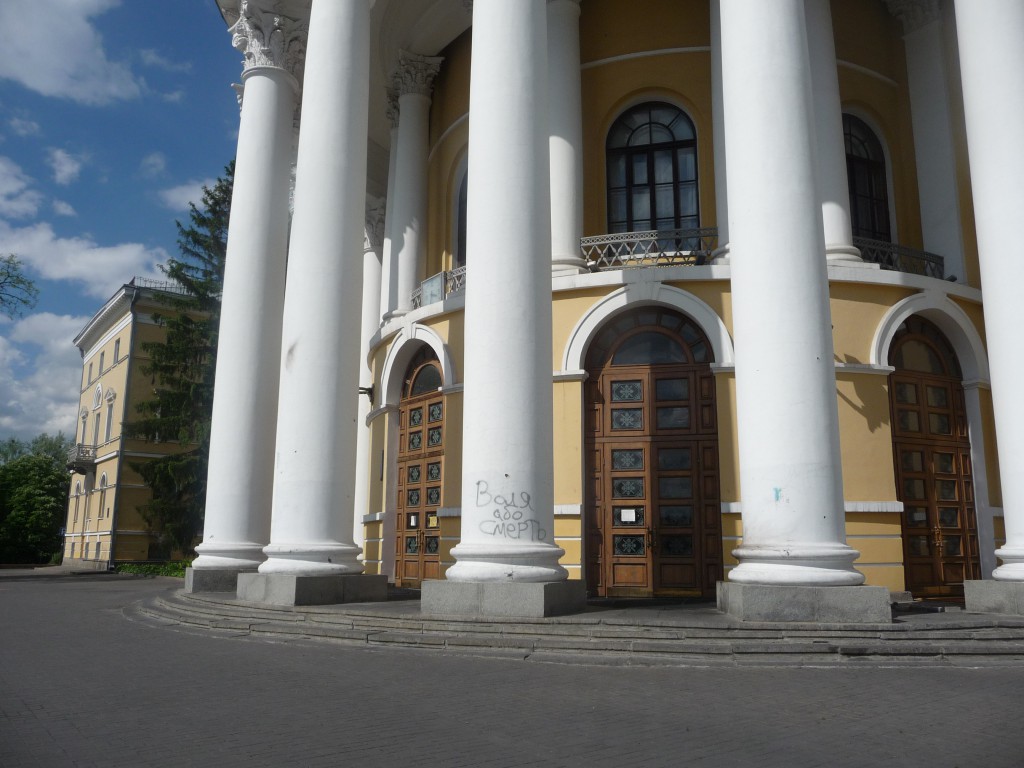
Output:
(934, 145)
(833, 186)
(991, 39)
(388, 287)
(414, 81)
(373, 243)
(565, 115)
(245, 402)
(790, 474)
(311, 531)
(721, 253)
(507, 485)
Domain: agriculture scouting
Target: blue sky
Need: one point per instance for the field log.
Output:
(113, 114)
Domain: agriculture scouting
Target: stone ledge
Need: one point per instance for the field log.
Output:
(290, 589)
(213, 580)
(990, 596)
(846, 605)
(510, 599)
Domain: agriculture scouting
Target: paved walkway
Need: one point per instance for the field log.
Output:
(83, 684)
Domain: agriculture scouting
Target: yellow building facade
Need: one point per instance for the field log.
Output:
(104, 525)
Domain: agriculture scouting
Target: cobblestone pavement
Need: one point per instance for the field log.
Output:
(82, 685)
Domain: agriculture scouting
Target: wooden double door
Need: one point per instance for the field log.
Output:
(934, 482)
(420, 476)
(653, 512)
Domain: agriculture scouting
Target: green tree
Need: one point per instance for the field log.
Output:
(182, 367)
(33, 498)
(17, 292)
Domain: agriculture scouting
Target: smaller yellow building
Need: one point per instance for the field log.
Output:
(104, 525)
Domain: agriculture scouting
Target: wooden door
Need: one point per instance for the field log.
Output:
(420, 474)
(934, 481)
(653, 515)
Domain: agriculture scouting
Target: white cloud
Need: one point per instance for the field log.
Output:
(177, 198)
(63, 209)
(40, 370)
(17, 199)
(174, 97)
(153, 164)
(99, 269)
(151, 58)
(22, 127)
(66, 166)
(52, 48)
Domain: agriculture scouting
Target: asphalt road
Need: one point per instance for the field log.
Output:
(82, 685)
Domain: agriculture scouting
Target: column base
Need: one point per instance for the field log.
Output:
(289, 589)
(568, 265)
(213, 579)
(848, 253)
(320, 559)
(989, 596)
(825, 605)
(229, 556)
(508, 599)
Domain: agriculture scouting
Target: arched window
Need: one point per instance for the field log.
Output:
(652, 170)
(460, 221)
(865, 170)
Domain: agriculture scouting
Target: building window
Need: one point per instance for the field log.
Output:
(78, 497)
(85, 425)
(460, 222)
(869, 191)
(89, 380)
(652, 170)
(110, 422)
(103, 500)
(72, 554)
(102, 355)
(85, 550)
(96, 430)
(117, 350)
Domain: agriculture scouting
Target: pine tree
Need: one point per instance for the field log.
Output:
(182, 367)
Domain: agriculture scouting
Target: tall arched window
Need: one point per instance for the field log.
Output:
(652, 170)
(460, 221)
(865, 170)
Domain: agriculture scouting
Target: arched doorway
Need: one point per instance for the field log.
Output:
(420, 472)
(932, 454)
(653, 514)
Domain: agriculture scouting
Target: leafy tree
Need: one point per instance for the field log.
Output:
(17, 292)
(182, 367)
(33, 498)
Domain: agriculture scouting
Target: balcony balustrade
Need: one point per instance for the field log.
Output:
(81, 458)
(681, 247)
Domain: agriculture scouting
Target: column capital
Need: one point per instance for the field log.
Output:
(914, 14)
(373, 235)
(268, 38)
(391, 95)
(415, 73)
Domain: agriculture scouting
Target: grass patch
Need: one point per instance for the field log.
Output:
(175, 569)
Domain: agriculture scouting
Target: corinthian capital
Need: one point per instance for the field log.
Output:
(415, 73)
(268, 38)
(914, 14)
(373, 236)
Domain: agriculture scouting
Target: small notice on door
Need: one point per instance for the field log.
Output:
(627, 515)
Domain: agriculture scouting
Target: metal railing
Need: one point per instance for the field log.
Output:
(899, 258)
(439, 287)
(81, 457)
(165, 286)
(654, 248)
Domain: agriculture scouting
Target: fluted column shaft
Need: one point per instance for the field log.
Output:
(388, 288)
(790, 474)
(413, 82)
(990, 37)
(718, 135)
(833, 186)
(311, 531)
(565, 115)
(507, 485)
(241, 460)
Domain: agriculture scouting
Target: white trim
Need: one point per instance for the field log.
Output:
(568, 510)
(634, 295)
(570, 375)
(447, 131)
(449, 512)
(937, 307)
(644, 55)
(382, 410)
(869, 368)
(869, 72)
(997, 511)
(453, 389)
(374, 517)
(878, 507)
(90, 354)
(402, 350)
